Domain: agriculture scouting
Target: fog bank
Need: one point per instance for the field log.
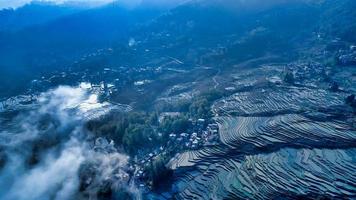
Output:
(48, 153)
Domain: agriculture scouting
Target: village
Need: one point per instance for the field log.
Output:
(202, 134)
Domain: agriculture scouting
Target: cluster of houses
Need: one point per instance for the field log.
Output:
(96, 53)
(347, 57)
(346, 53)
(103, 88)
(17, 102)
(200, 135)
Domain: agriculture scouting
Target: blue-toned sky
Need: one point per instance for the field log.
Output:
(19, 3)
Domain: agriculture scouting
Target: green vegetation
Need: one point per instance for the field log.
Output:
(174, 124)
(330, 61)
(133, 131)
(200, 107)
(157, 170)
(289, 77)
(137, 135)
(139, 131)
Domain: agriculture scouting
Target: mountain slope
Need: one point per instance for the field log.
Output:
(35, 13)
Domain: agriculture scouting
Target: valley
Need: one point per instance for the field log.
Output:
(198, 102)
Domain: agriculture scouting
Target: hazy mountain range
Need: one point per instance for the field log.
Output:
(45, 35)
(196, 99)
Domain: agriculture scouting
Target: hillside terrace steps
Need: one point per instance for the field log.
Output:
(277, 141)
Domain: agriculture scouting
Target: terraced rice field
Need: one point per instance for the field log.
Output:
(284, 130)
(277, 142)
(287, 174)
(277, 100)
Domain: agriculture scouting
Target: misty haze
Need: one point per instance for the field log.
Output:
(177, 99)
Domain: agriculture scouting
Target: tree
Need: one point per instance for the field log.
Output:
(157, 171)
(289, 77)
(174, 124)
(137, 136)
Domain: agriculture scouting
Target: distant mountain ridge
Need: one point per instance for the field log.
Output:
(42, 36)
(35, 13)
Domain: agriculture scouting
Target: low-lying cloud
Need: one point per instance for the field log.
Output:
(55, 176)
(48, 154)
